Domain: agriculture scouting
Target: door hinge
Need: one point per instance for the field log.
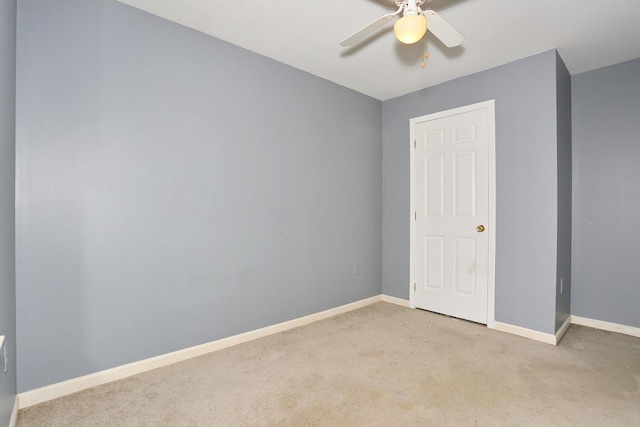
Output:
(414, 287)
(415, 215)
(414, 144)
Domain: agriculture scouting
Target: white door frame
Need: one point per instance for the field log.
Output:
(491, 139)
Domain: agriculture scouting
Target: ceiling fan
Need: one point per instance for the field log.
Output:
(412, 27)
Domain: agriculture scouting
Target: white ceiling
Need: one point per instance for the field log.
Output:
(305, 34)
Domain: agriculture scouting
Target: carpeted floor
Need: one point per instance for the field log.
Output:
(382, 365)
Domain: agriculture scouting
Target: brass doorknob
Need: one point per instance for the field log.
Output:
(480, 228)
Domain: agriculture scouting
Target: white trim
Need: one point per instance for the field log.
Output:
(606, 326)
(14, 413)
(397, 301)
(412, 209)
(491, 259)
(563, 329)
(526, 333)
(491, 123)
(53, 391)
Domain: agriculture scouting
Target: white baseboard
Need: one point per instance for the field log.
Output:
(526, 333)
(395, 300)
(14, 413)
(576, 320)
(606, 326)
(563, 329)
(53, 391)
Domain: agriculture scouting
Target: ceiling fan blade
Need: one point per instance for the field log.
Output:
(365, 32)
(443, 30)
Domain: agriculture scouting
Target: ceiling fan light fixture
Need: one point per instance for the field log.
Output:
(410, 28)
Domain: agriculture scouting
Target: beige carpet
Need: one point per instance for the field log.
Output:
(382, 365)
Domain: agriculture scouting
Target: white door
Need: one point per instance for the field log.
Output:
(452, 212)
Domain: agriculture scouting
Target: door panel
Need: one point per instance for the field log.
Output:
(434, 174)
(464, 184)
(435, 260)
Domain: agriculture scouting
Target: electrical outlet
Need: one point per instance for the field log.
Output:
(5, 354)
(356, 269)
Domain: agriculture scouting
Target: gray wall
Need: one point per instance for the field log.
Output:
(563, 269)
(174, 189)
(526, 171)
(7, 202)
(606, 194)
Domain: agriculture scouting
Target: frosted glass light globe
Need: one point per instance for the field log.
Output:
(410, 28)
